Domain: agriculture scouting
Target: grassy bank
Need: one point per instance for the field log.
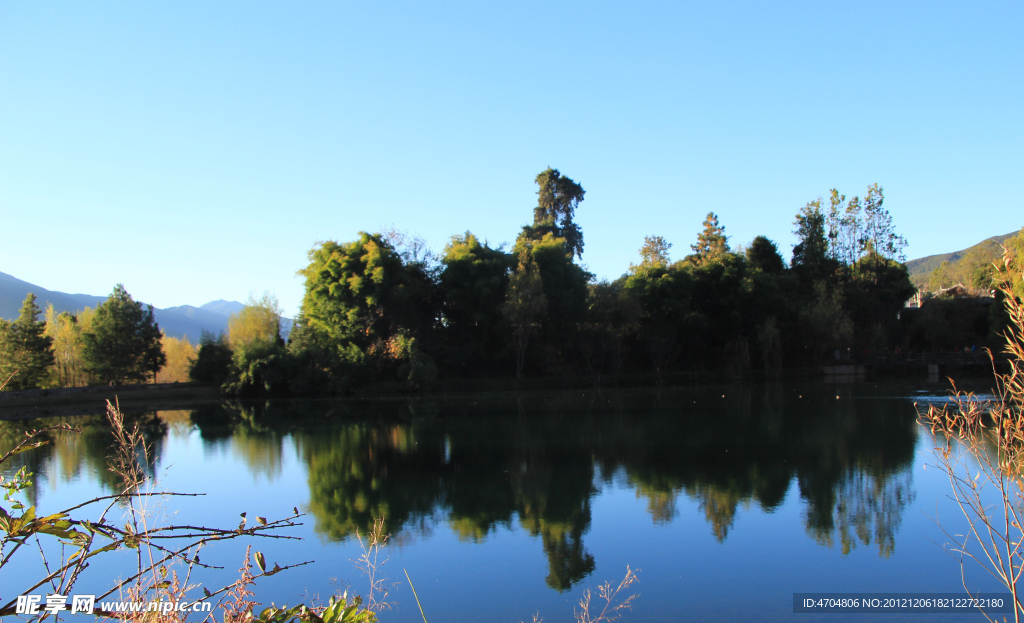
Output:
(79, 400)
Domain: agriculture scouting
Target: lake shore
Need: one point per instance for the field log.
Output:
(38, 403)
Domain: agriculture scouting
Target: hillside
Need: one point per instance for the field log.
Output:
(183, 321)
(961, 267)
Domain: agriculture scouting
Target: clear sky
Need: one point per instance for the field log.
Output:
(198, 150)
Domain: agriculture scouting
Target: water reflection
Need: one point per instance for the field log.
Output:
(479, 464)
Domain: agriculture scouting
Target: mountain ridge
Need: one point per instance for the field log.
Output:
(180, 322)
(921, 269)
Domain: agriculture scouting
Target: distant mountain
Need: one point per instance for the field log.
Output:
(13, 292)
(182, 321)
(229, 308)
(981, 254)
(225, 308)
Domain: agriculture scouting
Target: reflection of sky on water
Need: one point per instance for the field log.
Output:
(689, 569)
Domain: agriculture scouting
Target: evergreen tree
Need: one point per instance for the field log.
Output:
(811, 259)
(712, 243)
(213, 361)
(26, 352)
(123, 343)
(557, 199)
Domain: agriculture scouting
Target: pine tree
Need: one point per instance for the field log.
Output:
(712, 243)
(557, 199)
(26, 352)
(123, 343)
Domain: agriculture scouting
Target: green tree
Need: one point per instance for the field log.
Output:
(473, 283)
(876, 293)
(825, 322)
(654, 253)
(1012, 266)
(26, 352)
(362, 303)
(557, 199)
(213, 360)
(525, 304)
(565, 290)
(811, 259)
(663, 298)
(763, 255)
(123, 343)
(879, 235)
(611, 320)
(712, 243)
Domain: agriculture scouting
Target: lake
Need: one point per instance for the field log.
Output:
(728, 499)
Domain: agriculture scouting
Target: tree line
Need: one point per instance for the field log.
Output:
(382, 308)
(385, 309)
(118, 342)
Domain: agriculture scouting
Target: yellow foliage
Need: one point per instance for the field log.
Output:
(180, 355)
(66, 332)
(259, 321)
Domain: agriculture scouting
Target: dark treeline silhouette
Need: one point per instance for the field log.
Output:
(383, 309)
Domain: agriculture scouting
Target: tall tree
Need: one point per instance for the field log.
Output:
(557, 199)
(878, 229)
(472, 286)
(123, 343)
(525, 304)
(66, 332)
(712, 243)
(26, 352)
(811, 258)
(654, 253)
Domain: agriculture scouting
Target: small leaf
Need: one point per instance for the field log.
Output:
(207, 592)
(295, 509)
(242, 515)
(261, 521)
(29, 446)
(261, 562)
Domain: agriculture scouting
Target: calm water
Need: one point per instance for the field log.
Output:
(728, 499)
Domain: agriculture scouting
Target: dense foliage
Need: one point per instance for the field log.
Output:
(374, 311)
(26, 352)
(123, 343)
(381, 309)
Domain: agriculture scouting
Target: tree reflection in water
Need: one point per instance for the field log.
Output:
(484, 462)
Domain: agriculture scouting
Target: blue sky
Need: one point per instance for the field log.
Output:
(198, 150)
